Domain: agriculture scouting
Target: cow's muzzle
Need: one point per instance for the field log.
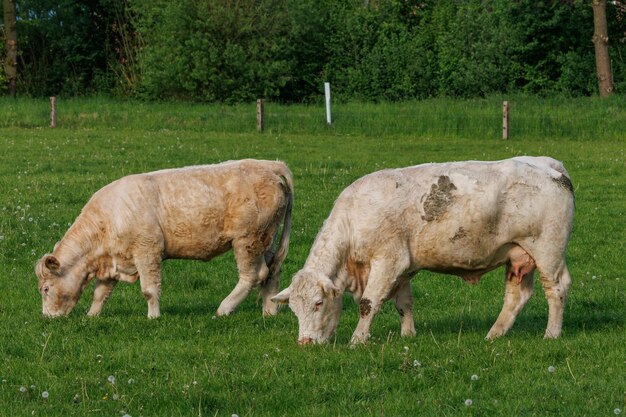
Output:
(305, 341)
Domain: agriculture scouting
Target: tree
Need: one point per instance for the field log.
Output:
(601, 42)
(10, 44)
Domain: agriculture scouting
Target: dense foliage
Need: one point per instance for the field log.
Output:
(221, 50)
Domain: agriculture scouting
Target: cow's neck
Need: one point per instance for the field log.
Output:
(328, 254)
(79, 244)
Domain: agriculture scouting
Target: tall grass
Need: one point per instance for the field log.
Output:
(190, 363)
(569, 118)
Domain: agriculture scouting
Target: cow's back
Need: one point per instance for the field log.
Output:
(193, 212)
(453, 213)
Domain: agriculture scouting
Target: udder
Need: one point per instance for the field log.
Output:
(520, 264)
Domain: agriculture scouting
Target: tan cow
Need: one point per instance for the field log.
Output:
(129, 226)
(462, 218)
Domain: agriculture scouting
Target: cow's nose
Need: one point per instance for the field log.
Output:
(305, 341)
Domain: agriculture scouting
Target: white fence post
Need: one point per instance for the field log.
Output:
(327, 93)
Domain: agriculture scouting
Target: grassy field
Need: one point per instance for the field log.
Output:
(189, 363)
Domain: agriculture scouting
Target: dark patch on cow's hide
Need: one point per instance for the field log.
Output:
(439, 199)
(460, 234)
(400, 312)
(564, 182)
(365, 307)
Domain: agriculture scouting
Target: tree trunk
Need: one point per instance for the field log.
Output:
(601, 42)
(10, 63)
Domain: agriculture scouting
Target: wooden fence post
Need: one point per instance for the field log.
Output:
(260, 110)
(505, 120)
(53, 112)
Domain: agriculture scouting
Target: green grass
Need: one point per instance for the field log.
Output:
(189, 363)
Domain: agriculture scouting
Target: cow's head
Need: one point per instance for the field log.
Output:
(317, 302)
(59, 288)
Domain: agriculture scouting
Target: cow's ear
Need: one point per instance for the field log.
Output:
(329, 288)
(283, 296)
(52, 264)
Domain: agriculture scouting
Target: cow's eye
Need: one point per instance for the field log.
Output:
(318, 305)
(46, 290)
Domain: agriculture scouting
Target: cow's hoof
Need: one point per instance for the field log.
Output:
(271, 311)
(359, 339)
(407, 332)
(223, 312)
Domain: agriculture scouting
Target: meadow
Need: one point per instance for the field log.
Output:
(190, 363)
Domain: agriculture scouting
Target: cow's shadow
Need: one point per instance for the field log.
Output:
(532, 323)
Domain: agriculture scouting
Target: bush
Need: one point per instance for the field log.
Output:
(3, 79)
(220, 50)
(213, 51)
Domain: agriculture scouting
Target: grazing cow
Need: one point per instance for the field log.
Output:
(461, 218)
(129, 226)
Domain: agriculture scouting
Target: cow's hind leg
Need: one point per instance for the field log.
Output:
(404, 304)
(252, 272)
(150, 280)
(516, 294)
(101, 292)
(269, 287)
(556, 287)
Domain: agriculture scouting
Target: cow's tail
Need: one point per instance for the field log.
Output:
(274, 258)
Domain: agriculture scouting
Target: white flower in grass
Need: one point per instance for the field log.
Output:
(126, 415)
(23, 389)
(116, 397)
(45, 395)
(234, 415)
(474, 377)
(417, 363)
(468, 402)
(406, 348)
(551, 369)
(111, 379)
(617, 411)
(131, 381)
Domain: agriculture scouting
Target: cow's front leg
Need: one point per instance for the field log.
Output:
(150, 280)
(252, 271)
(404, 304)
(382, 279)
(101, 293)
(516, 294)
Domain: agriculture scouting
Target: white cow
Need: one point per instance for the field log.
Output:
(129, 226)
(461, 218)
